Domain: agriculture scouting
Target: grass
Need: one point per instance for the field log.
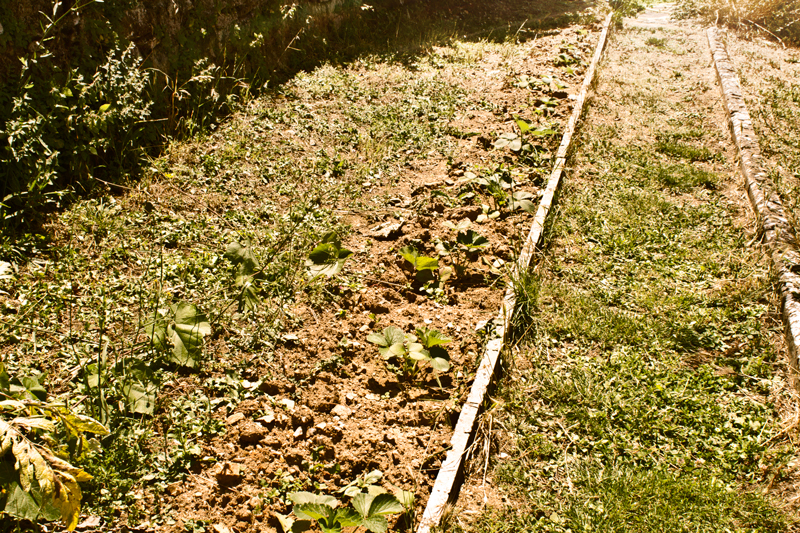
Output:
(646, 387)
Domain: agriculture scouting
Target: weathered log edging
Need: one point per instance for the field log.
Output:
(446, 486)
(777, 233)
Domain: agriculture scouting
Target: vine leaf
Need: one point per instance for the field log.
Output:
(328, 258)
(246, 267)
(184, 332)
(41, 484)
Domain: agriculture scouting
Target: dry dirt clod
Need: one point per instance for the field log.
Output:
(252, 433)
(229, 473)
(388, 231)
(341, 411)
(234, 418)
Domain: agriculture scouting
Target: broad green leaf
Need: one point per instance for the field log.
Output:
(384, 504)
(328, 258)
(314, 511)
(376, 524)
(290, 525)
(309, 497)
(515, 145)
(243, 258)
(361, 502)
(440, 364)
(187, 333)
(374, 476)
(20, 504)
(375, 490)
(462, 225)
(471, 239)
(523, 126)
(347, 517)
(405, 497)
(417, 352)
(431, 337)
(523, 200)
(104, 108)
(390, 342)
(541, 132)
(140, 399)
(157, 331)
(248, 297)
(426, 263)
(34, 387)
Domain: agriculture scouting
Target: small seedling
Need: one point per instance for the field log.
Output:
(467, 241)
(425, 267)
(366, 483)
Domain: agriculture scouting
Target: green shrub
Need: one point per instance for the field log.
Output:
(66, 130)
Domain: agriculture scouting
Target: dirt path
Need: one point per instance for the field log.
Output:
(654, 363)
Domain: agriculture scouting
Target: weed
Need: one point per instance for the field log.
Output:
(656, 42)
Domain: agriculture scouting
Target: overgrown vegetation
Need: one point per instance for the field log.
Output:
(159, 311)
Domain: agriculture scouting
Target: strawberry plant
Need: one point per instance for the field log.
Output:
(467, 242)
(425, 267)
(409, 350)
(367, 510)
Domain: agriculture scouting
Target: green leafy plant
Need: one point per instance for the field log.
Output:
(35, 479)
(468, 241)
(369, 511)
(366, 483)
(246, 268)
(180, 334)
(409, 350)
(328, 258)
(426, 268)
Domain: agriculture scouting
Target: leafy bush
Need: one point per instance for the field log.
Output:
(65, 130)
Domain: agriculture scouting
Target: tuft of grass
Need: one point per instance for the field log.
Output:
(656, 42)
(680, 150)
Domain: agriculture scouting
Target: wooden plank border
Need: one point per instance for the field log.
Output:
(777, 233)
(445, 488)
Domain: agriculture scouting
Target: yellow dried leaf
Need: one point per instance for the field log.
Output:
(67, 499)
(64, 468)
(31, 465)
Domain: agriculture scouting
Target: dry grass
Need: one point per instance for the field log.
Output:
(779, 18)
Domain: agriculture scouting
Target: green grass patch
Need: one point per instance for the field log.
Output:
(642, 398)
